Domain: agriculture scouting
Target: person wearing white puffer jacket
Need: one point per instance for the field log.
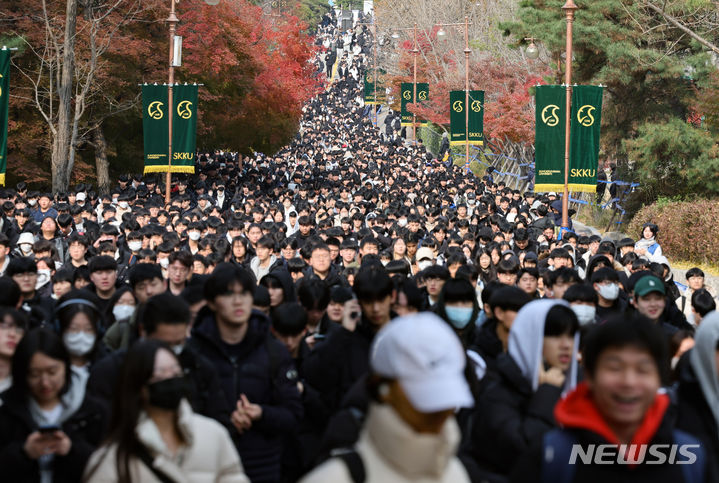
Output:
(410, 433)
(154, 434)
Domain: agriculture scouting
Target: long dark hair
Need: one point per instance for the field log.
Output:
(37, 340)
(128, 403)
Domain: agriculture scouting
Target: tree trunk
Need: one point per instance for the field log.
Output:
(62, 143)
(102, 166)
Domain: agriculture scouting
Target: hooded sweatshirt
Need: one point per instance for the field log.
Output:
(514, 408)
(526, 342)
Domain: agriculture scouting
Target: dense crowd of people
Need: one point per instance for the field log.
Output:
(349, 309)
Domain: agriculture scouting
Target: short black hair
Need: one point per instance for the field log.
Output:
(372, 283)
(605, 274)
(141, 272)
(182, 256)
(289, 319)
(313, 294)
(9, 292)
(703, 302)
(506, 297)
(435, 271)
(163, 308)
(694, 272)
(581, 293)
(508, 266)
(101, 262)
(224, 277)
(563, 275)
(637, 331)
(21, 265)
(560, 320)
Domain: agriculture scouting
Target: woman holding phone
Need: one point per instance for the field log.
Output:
(48, 428)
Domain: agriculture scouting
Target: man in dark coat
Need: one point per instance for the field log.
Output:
(256, 372)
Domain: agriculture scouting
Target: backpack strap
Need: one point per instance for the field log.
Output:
(353, 461)
(556, 450)
(146, 458)
(695, 472)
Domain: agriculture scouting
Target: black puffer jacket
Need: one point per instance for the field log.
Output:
(510, 416)
(693, 413)
(260, 368)
(85, 428)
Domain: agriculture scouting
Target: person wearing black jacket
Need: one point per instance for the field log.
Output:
(336, 364)
(48, 426)
(166, 317)
(256, 371)
(697, 396)
(516, 406)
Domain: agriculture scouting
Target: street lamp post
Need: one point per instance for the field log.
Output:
(172, 20)
(569, 9)
(467, 51)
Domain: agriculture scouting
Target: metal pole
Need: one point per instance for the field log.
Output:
(466, 91)
(415, 51)
(569, 8)
(172, 20)
(374, 45)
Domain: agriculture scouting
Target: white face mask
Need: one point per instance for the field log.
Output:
(424, 264)
(32, 202)
(122, 312)
(26, 248)
(134, 245)
(585, 313)
(609, 291)
(194, 235)
(43, 277)
(164, 262)
(78, 343)
(124, 204)
(402, 222)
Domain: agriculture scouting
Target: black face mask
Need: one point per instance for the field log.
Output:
(168, 393)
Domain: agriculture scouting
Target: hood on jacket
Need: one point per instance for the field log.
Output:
(577, 410)
(285, 279)
(703, 360)
(526, 342)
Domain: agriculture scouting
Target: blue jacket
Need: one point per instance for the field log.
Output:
(260, 368)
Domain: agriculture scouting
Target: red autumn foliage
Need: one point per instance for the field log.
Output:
(509, 106)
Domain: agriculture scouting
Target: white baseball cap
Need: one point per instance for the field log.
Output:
(426, 357)
(80, 196)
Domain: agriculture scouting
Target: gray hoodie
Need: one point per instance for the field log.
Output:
(526, 342)
(703, 360)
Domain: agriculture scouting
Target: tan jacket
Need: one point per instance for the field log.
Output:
(208, 457)
(392, 452)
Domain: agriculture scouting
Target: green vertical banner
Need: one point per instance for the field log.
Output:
(584, 143)
(184, 128)
(422, 97)
(155, 128)
(457, 117)
(369, 89)
(406, 93)
(4, 106)
(549, 138)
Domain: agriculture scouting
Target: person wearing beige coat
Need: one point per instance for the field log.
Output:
(208, 456)
(410, 434)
